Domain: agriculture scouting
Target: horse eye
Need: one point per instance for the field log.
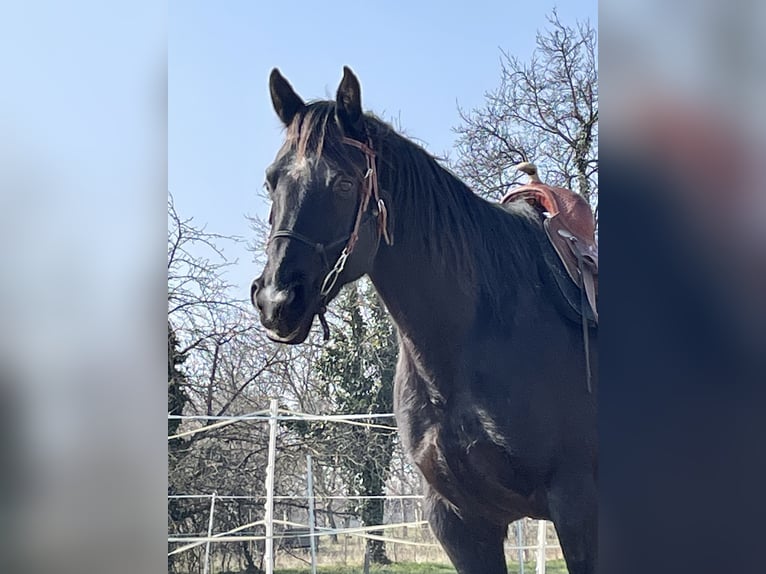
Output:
(344, 185)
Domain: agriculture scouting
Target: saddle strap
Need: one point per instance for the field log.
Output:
(584, 297)
(589, 286)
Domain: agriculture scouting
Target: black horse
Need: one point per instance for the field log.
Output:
(491, 398)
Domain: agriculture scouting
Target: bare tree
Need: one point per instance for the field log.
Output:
(197, 290)
(544, 111)
(219, 363)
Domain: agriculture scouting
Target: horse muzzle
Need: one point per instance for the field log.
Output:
(284, 312)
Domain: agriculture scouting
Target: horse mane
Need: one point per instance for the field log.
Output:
(483, 245)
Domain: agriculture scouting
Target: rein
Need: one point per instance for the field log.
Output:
(369, 191)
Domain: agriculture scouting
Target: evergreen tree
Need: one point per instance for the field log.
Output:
(358, 373)
(177, 399)
(177, 396)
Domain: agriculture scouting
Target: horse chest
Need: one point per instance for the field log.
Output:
(467, 467)
(465, 454)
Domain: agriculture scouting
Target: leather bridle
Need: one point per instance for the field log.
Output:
(370, 191)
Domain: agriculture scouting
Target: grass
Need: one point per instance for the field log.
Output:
(551, 567)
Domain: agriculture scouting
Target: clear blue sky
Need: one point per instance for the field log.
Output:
(416, 61)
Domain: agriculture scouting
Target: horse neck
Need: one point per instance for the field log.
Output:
(432, 308)
(421, 295)
(432, 317)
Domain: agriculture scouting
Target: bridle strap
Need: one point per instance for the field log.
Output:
(320, 248)
(369, 191)
(372, 190)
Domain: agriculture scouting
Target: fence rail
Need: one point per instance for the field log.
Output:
(311, 530)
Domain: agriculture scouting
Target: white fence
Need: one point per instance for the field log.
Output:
(541, 548)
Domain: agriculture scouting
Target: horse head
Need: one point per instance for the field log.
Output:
(326, 218)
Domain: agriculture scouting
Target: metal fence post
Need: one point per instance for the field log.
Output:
(206, 568)
(268, 554)
(541, 540)
(312, 520)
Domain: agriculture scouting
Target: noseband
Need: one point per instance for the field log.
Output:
(369, 191)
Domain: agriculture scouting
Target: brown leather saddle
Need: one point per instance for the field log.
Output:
(570, 226)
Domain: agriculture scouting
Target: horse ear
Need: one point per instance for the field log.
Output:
(284, 99)
(348, 102)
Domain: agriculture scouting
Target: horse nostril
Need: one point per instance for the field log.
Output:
(274, 304)
(254, 286)
(283, 297)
